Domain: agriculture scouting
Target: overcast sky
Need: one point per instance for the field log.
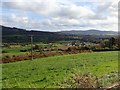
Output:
(60, 15)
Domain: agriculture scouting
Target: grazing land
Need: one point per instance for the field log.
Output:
(51, 72)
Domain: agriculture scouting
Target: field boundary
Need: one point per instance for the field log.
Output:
(15, 58)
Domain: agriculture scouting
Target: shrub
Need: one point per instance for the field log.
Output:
(23, 50)
(85, 81)
(13, 55)
(7, 45)
(80, 81)
(3, 51)
(6, 57)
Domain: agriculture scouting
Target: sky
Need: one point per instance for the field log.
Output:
(60, 15)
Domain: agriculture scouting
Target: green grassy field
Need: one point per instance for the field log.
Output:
(15, 49)
(48, 72)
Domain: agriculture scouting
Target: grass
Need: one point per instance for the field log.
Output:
(48, 72)
(15, 50)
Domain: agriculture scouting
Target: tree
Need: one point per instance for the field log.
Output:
(111, 42)
(36, 47)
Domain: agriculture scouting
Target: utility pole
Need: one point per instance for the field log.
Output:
(31, 47)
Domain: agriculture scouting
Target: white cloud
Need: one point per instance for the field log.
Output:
(61, 15)
(18, 19)
(72, 11)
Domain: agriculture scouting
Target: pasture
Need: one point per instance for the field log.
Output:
(50, 72)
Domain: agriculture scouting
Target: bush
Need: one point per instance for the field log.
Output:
(80, 81)
(23, 50)
(7, 45)
(13, 55)
(6, 57)
(3, 51)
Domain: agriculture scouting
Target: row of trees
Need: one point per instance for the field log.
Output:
(111, 43)
(106, 44)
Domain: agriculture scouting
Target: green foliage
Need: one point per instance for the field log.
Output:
(23, 50)
(3, 51)
(16, 50)
(7, 57)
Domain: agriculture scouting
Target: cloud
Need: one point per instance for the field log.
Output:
(51, 8)
(56, 15)
(72, 12)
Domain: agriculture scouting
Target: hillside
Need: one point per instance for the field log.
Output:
(89, 32)
(17, 35)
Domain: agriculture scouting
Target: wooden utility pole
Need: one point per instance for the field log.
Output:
(31, 47)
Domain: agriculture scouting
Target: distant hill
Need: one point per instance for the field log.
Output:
(17, 35)
(89, 32)
(18, 31)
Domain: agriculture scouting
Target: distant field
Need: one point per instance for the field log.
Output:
(15, 49)
(48, 72)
